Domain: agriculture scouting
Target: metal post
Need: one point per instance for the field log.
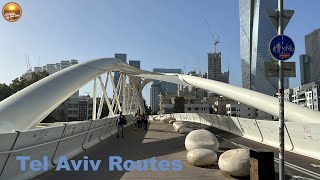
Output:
(94, 104)
(281, 94)
(124, 98)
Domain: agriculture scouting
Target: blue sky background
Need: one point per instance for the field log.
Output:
(160, 33)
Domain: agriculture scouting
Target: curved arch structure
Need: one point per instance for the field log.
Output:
(28, 107)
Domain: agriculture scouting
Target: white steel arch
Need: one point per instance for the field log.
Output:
(28, 107)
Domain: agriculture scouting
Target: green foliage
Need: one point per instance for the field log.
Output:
(105, 110)
(179, 104)
(5, 91)
(19, 84)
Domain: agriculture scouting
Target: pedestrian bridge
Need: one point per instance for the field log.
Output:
(21, 132)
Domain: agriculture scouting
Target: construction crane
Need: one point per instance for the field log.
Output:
(216, 40)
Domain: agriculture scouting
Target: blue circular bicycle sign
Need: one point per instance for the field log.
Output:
(281, 48)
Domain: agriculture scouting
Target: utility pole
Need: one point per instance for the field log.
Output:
(281, 98)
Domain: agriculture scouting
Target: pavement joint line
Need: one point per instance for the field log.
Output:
(300, 169)
(315, 165)
(299, 177)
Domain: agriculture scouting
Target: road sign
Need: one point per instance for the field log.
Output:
(281, 48)
(274, 16)
(271, 69)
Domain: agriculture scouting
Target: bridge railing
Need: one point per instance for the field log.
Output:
(300, 138)
(67, 139)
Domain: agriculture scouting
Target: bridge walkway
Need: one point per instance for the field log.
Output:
(160, 141)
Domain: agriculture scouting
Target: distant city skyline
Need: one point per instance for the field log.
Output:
(159, 33)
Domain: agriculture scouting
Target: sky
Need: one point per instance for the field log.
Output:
(160, 33)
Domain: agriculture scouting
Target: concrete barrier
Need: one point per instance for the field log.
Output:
(223, 123)
(207, 119)
(300, 138)
(26, 145)
(234, 125)
(92, 137)
(106, 131)
(305, 138)
(270, 134)
(250, 129)
(177, 116)
(215, 121)
(7, 142)
(198, 117)
(184, 117)
(72, 146)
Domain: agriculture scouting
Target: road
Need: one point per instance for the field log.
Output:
(296, 165)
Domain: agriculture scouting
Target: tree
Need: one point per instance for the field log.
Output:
(105, 110)
(5, 91)
(20, 83)
(179, 104)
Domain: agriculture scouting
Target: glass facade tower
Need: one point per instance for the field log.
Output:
(256, 30)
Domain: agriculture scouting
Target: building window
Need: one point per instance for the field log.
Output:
(248, 108)
(196, 109)
(248, 114)
(189, 109)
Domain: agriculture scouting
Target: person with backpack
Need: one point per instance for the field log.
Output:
(139, 121)
(136, 118)
(145, 121)
(121, 121)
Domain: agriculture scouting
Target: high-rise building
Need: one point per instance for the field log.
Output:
(310, 62)
(256, 30)
(123, 58)
(214, 66)
(305, 69)
(164, 87)
(134, 63)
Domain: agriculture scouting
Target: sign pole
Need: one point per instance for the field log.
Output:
(281, 98)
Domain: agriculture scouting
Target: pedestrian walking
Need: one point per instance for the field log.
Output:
(121, 121)
(135, 119)
(139, 121)
(145, 121)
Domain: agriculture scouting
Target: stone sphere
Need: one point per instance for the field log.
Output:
(185, 130)
(156, 118)
(177, 125)
(235, 162)
(201, 139)
(172, 121)
(202, 157)
(166, 119)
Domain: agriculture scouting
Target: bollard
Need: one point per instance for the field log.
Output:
(261, 165)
